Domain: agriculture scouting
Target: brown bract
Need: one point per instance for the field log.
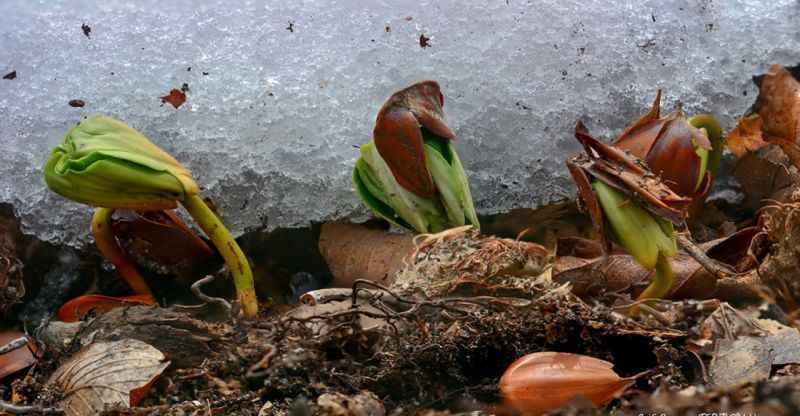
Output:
(626, 173)
(539, 382)
(668, 146)
(398, 134)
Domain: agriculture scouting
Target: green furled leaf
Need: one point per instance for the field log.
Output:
(643, 236)
(373, 196)
(103, 162)
(448, 175)
(423, 215)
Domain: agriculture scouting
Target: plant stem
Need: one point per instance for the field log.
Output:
(714, 132)
(230, 251)
(662, 281)
(108, 246)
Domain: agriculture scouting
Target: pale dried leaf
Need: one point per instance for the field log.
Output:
(107, 373)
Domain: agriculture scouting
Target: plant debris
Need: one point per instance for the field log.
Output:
(424, 41)
(86, 30)
(176, 98)
(10, 75)
(76, 103)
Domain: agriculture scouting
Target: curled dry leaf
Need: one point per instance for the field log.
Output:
(544, 381)
(107, 373)
(776, 117)
(77, 309)
(765, 174)
(354, 251)
(18, 358)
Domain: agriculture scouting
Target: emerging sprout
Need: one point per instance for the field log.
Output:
(620, 192)
(104, 163)
(409, 173)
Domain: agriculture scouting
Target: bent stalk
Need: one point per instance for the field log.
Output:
(662, 281)
(230, 251)
(108, 246)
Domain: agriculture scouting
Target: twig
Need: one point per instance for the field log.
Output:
(14, 344)
(261, 368)
(208, 299)
(16, 409)
(716, 268)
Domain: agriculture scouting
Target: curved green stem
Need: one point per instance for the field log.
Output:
(230, 251)
(108, 246)
(662, 281)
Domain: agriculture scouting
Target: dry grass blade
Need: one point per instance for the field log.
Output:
(107, 373)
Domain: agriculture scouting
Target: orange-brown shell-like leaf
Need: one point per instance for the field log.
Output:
(544, 381)
(398, 139)
(673, 155)
(77, 309)
(398, 134)
(639, 136)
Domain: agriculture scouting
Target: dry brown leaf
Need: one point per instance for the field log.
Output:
(747, 136)
(543, 381)
(175, 97)
(355, 251)
(776, 117)
(107, 373)
(778, 104)
(18, 358)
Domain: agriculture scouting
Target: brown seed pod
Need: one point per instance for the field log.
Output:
(543, 381)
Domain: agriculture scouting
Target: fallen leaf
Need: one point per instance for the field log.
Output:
(76, 309)
(18, 358)
(544, 381)
(747, 136)
(76, 103)
(765, 174)
(86, 30)
(778, 104)
(10, 75)
(355, 251)
(175, 97)
(739, 361)
(107, 373)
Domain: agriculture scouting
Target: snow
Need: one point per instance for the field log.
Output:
(274, 116)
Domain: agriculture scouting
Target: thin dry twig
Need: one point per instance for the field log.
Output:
(16, 409)
(261, 368)
(14, 344)
(719, 270)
